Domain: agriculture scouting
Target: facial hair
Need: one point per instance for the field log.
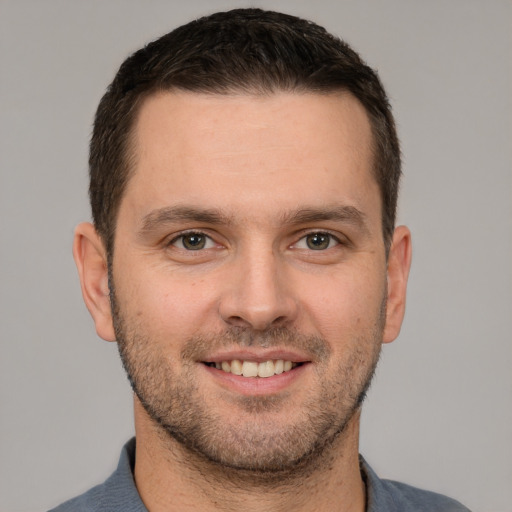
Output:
(249, 440)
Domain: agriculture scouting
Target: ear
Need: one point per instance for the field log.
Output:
(399, 263)
(91, 261)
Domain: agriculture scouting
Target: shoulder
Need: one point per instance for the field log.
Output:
(118, 492)
(91, 501)
(391, 496)
(407, 497)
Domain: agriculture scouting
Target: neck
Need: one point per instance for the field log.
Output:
(171, 478)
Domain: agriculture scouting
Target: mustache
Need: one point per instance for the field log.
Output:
(198, 347)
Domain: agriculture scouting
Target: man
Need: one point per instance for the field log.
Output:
(244, 176)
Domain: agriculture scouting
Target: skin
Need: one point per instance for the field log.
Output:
(275, 170)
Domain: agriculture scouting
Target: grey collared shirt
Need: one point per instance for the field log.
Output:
(118, 493)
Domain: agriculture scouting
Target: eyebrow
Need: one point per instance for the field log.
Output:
(340, 213)
(172, 214)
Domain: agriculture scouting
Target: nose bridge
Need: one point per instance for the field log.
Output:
(259, 295)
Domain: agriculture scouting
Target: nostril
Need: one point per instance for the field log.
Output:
(258, 312)
(256, 324)
(238, 321)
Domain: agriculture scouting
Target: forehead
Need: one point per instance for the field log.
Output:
(238, 152)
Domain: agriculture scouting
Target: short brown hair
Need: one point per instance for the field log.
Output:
(243, 50)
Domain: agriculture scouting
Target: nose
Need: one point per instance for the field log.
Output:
(258, 294)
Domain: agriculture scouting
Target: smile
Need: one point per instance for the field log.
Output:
(254, 369)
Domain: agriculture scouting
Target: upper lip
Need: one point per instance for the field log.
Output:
(258, 355)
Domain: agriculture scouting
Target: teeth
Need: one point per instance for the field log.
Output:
(254, 369)
(266, 369)
(249, 369)
(236, 367)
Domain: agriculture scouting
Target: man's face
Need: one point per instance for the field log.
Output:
(249, 240)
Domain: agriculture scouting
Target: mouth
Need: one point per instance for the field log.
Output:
(254, 369)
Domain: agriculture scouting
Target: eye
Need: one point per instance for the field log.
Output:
(193, 242)
(317, 241)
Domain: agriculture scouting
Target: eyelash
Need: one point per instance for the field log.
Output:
(182, 236)
(208, 239)
(331, 238)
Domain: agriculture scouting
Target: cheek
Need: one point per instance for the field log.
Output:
(163, 301)
(183, 306)
(346, 304)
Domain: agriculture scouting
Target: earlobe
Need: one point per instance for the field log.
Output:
(399, 263)
(91, 261)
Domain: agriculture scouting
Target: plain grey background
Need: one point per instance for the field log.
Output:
(439, 414)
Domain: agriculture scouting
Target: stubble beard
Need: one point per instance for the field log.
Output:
(250, 444)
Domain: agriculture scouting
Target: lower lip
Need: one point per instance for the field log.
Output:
(256, 386)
